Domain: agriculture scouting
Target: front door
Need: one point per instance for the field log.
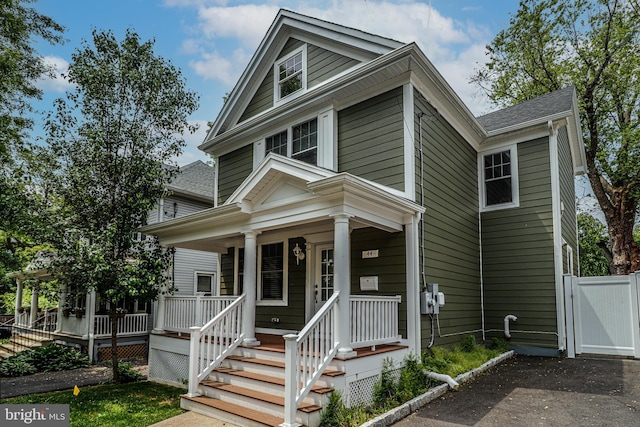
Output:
(323, 288)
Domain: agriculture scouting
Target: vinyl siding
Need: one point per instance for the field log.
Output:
(452, 251)
(324, 64)
(390, 266)
(518, 254)
(568, 198)
(321, 65)
(227, 279)
(186, 263)
(184, 207)
(370, 140)
(234, 168)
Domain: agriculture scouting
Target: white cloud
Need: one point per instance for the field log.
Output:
(214, 66)
(58, 83)
(191, 152)
(246, 23)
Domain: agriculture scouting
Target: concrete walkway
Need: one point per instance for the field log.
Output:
(530, 391)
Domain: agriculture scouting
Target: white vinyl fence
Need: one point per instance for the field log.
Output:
(602, 315)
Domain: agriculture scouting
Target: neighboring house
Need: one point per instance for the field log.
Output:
(83, 321)
(350, 179)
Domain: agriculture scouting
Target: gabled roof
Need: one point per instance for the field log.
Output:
(195, 180)
(290, 24)
(552, 104)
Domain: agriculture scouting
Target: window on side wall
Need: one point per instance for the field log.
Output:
(500, 179)
(272, 278)
(205, 283)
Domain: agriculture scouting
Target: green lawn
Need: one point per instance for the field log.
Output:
(128, 405)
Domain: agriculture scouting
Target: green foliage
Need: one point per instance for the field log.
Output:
(109, 143)
(593, 242)
(501, 345)
(109, 405)
(127, 374)
(336, 414)
(387, 387)
(462, 358)
(595, 46)
(43, 359)
(468, 344)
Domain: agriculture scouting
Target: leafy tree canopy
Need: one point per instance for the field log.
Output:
(109, 141)
(594, 45)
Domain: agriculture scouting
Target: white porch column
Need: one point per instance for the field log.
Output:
(413, 283)
(18, 295)
(250, 284)
(34, 305)
(342, 277)
(62, 299)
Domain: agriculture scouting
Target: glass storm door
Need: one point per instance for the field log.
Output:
(324, 275)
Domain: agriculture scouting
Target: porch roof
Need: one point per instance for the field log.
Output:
(283, 193)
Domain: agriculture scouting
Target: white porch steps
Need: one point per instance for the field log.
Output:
(248, 390)
(22, 341)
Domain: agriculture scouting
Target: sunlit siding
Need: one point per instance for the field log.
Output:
(324, 64)
(233, 169)
(568, 198)
(518, 254)
(451, 244)
(371, 138)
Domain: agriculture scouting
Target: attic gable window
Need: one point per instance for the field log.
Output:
(500, 179)
(290, 74)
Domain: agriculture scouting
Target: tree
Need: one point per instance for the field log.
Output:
(20, 67)
(109, 142)
(594, 45)
(593, 246)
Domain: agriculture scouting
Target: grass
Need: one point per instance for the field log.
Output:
(118, 405)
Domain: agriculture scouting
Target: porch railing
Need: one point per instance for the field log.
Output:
(211, 343)
(23, 319)
(307, 355)
(374, 320)
(130, 324)
(181, 313)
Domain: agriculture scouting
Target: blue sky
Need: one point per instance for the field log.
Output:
(211, 41)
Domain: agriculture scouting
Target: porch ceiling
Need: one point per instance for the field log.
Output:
(281, 194)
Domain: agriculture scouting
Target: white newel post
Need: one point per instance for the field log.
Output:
(199, 321)
(34, 305)
(341, 274)
(62, 299)
(194, 360)
(18, 296)
(249, 315)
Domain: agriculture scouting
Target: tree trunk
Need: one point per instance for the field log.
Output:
(113, 316)
(621, 222)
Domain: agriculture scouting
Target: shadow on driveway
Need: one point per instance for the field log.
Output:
(535, 391)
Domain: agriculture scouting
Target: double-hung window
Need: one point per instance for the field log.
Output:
(499, 175)
(272, 285)
(304, 142)
(290, 74)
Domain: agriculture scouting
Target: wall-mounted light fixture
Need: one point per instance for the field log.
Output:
(297, 252)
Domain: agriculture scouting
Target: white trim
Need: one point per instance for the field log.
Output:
(213, 283)
(412, 266)
(554, 165)
(285, 274)
(409, 142)
(328, 139)
(277, 100)
(515, 186)
(236, 268)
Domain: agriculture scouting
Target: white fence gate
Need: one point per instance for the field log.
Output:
(602, 315)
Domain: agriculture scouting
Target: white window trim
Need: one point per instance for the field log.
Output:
(236, 269)
(276, 76)
(515, 186)
(214, 285)
(285, 275)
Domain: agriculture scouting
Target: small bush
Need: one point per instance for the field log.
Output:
(43, 359)
(499, 344)
(468, 344)
(386, 389)
(336, 414)
(127, 374)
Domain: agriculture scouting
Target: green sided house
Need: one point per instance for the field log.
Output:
(362, 213)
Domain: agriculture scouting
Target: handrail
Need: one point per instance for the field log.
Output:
(374, 320)
(307, 355)
(129, 324)
(213, 342)
(183, 312)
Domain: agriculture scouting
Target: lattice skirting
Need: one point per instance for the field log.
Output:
(124, 352)
(361, 390)
(168, 367)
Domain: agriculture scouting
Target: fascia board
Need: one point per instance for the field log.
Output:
(180, 192)
(221, 214)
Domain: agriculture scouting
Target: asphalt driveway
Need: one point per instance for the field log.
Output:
(534, 391)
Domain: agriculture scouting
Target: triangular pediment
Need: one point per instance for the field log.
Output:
(335, 48)
(277, 180)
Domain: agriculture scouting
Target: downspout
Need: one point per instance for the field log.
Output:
(481, 275)
(507, 318)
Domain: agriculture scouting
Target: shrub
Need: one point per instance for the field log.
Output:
(43, 359)
(468, 344)
(127, 374)
(336, 414)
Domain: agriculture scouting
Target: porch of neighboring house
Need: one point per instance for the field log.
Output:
(255, 384)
